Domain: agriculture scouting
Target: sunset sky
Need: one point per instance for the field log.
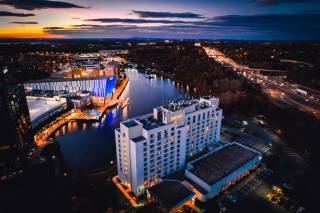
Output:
(211, 19)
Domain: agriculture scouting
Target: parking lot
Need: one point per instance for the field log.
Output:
(247, 140)
(251, 191)
(257, 190)
(246, 186)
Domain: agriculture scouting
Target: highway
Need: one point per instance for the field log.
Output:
(280, 91)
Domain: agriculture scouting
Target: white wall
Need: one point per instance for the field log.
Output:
(136, 157)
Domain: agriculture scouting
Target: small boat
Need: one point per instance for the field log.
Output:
(149, 76)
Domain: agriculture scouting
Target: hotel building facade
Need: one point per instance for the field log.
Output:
(155, 145)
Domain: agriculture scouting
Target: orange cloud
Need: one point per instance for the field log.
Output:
(26, 33)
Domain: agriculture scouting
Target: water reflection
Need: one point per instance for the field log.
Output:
(88, 146)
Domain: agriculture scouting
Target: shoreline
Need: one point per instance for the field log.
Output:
(42, 135)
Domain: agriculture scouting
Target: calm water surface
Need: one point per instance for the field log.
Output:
(90, 146)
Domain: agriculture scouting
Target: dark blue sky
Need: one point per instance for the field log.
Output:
(214, 19)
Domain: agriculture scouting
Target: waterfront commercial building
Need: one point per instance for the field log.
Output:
(80, 100)
(213, 172)
(97, 86)
(43, 108)
(155, 145)
(15, 126)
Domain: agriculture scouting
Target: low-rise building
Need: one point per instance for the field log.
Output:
(169, 195)
(80, 100)
(213, 172)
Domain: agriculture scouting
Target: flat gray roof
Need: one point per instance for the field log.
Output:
(176, 106)
(130, 123)
(179, 105)
(138, 139)
(196, 186)
(171, 193)
(222, 162)
(39, 106)
(150, 122)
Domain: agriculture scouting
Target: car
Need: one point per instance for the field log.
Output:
(232, 198)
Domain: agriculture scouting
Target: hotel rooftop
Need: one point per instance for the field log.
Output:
(180, 105)
(150, 122)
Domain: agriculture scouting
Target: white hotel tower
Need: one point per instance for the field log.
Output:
(154, 145)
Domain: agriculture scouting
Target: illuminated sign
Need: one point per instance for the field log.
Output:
(110, 85)
(176, 117)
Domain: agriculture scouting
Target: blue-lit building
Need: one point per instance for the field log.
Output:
(97, 86)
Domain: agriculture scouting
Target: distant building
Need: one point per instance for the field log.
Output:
(104, 63)
(152, 146)
(15, 126)
(85, 65)
(146, 43)
(216, 171)
(113, 52)
(111, 69)
(81, 100)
